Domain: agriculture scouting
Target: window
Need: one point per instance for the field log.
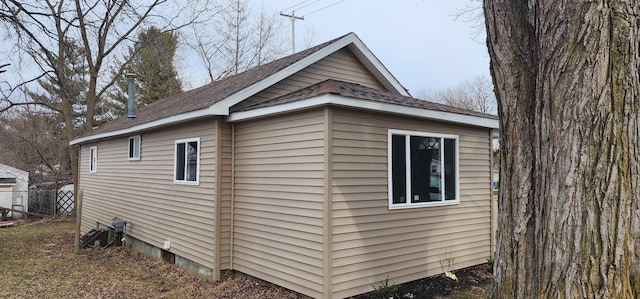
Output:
(134, 148)
(187, 163)
(423, 169)
(93, 159)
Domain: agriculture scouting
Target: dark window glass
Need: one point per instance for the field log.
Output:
(180, 161)
(398, 168)
(192, 161)
(450, 169)
(131, 147)
(425, 169)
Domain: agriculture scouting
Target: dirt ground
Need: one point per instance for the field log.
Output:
(37, 261)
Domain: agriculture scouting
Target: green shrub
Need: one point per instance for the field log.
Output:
(384, 290)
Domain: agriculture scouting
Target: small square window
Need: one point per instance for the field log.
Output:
(134, 148)
(93, 159)
(187, 161)
(423, 169)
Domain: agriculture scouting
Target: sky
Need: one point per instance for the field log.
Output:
(420, 42)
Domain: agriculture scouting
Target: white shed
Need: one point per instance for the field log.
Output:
(13, 188)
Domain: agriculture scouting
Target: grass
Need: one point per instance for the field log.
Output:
(38, 261)
(474, 293)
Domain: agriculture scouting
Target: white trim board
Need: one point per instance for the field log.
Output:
(368, 105)
(152, 124)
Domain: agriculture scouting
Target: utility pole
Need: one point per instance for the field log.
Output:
(293, 18)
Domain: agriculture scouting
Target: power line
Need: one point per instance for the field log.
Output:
(299, 8)
(317, 10)
(296, 5)
(293, 16)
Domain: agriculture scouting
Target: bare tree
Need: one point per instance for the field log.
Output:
(473, 15)
(238, 40)
(34, 141)
(567, 82)
(475, 94)
(49, 33)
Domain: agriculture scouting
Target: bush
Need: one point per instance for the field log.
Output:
(384, 290)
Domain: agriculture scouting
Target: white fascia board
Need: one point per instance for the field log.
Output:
(380, 67)
(156, 123)
(222, 107)
(369, 105)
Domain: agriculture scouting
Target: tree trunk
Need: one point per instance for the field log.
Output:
(566, 76)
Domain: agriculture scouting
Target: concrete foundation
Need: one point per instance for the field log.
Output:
(160, 253)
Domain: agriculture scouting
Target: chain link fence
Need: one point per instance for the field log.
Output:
(44, 202)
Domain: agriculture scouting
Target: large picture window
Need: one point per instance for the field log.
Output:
(134, 148)
(423, 169)
(187, 161)
(93, 159)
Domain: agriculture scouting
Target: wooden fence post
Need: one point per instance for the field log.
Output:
(78, 207)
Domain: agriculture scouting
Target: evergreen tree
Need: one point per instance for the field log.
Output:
(151, 59)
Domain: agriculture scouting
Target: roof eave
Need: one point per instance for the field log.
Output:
(333, 99)
(192, 115)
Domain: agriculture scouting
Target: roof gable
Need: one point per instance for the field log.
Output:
(341, 65)
(218, 97)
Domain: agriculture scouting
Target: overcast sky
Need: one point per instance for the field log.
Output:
(420, 42)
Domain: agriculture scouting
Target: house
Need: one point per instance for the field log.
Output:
(13, 190)
(312, 172)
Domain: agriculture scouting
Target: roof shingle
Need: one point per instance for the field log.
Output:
(207, 95)
(358, 91)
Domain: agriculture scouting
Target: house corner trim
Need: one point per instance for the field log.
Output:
(327, 239)
(218, 198)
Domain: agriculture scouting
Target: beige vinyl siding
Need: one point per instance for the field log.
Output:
(225, 204)
(341, 65)
(279, 175)
(144, 194)
(369, 240)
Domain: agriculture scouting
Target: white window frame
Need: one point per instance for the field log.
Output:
(93, 159)
(408, 135)
(132, 156)
(175, 162)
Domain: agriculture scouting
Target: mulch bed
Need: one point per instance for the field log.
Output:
(476, 277)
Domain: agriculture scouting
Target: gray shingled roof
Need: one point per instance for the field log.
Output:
(358, 91)
(207, 95)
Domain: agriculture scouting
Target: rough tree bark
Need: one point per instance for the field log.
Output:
(566, 76)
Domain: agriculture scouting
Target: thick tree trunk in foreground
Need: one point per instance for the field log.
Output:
(567, 83)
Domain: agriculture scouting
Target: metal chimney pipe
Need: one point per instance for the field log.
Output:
(131, 78)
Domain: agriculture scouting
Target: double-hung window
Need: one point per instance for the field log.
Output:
(134, 148)
(93, 159)
(423, 169)
(187, 161)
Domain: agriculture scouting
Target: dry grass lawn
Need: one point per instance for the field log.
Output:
(37, 260)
